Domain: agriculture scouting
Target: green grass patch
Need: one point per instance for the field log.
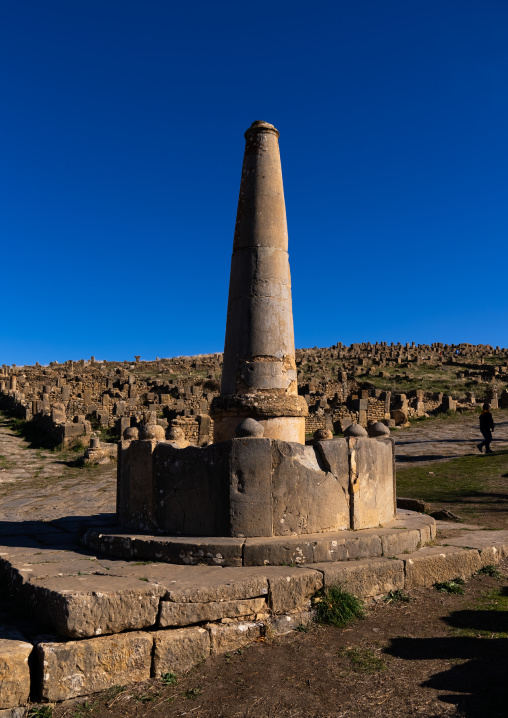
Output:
(84, 709)
(169, 679)
(489, 570)
(337, 607)
(397, 596)
(362, 660)
(487, 616)
(42, 712)
(456, 585)
(193, 693)
(451, 481)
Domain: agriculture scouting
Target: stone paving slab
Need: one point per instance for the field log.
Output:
(179, 650)
(456, 526)
(492, 545)
(78, 668)
(21, 572)
(185, 614)
(438, 563)
(364, 578)
(14, 672)
(83, 606)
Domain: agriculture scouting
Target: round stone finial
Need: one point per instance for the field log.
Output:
(355, 430)
(249, 429)
(175, 433)
(378, 429)
(323, 435)
(261, 126)
(152, 431)
(131, 433)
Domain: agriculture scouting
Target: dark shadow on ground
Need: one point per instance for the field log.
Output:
(29, 432)
(480, 673)
(484, 494)
(59, 532)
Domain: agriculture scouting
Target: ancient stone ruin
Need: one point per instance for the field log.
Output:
(232, 516)
(258, 478)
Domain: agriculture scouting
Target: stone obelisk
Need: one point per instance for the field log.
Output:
(259, 374)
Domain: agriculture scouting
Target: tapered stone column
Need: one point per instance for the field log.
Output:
(259, 373)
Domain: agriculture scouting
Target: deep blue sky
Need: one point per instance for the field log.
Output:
(121, 141)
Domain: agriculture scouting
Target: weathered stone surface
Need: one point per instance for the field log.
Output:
(372, 482)
(413, 505)
(179, 650)
(81, 606)
(354, 429)
(230, 636)
(259, 351)
(348, 545)
(142, 485)
(438, 563)
(395, 542)
(14, 672)
(291, 588)
(185, 614)
(223, 551)
(28, 570)
(251, 487)
(192, 489)
(492, 545)
(378, 429)
(305, 499)
(19, 712)
(78, 668)
(334, 456)
(415, 520)
(278, 551)
(227, 584)
(312, 548)
(365, 577)
(286, 622)
(249, 428)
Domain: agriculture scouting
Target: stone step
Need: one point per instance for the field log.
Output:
(165, 618)
(405, 533)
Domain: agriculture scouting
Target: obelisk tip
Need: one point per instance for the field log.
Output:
(262, 126)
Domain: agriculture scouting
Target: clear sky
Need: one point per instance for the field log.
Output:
(121, 145)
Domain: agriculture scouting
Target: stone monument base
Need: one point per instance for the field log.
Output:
(406, 533)
(251, 487)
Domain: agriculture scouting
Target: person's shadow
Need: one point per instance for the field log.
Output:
(478, 683)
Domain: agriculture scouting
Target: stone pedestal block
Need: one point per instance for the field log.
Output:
(14, 672)
(256, 487)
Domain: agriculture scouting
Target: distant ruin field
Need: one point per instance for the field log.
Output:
(363, 383)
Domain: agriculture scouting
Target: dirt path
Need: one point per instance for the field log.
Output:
(41, 485)
(441, 439)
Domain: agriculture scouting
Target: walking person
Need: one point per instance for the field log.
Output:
(486, 427)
